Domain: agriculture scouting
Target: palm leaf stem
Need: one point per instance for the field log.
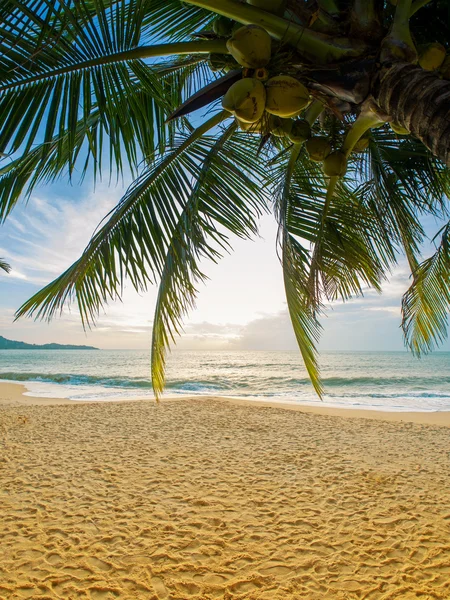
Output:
(416, 5)
(329, 6)
(177, 48)
(367, 119)
(316, 46)
(402, 12)
(366, 19)
(400, 31)
(313, 111)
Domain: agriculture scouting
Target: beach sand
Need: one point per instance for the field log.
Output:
(205, 498)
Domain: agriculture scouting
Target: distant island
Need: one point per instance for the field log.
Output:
(13, 345)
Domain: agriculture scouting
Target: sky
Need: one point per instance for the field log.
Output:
(242, 306)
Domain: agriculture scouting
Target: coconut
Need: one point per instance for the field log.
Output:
(335, 164)
(276, 7)
(280, 127)
(318, 148)
(300, 132)
(398, 129)
(223, 26)
(250, 127)
(246, 100)
(286, 96)
(432, 57)
(250, 46)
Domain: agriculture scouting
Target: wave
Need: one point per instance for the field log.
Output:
(367, 381)
(71, 379)
(420, 387)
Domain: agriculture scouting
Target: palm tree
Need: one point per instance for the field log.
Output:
(335, 117)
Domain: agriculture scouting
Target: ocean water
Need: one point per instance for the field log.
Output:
(382, 380)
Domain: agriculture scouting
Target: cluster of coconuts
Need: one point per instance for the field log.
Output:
(279, 99)
(282, 97)
(260, 102)
(334, 163)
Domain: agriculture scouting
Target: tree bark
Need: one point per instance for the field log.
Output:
(418, 100)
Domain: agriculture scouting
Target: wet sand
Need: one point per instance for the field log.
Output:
(208, 498)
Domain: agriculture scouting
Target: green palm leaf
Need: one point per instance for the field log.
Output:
(69, 77)
(295, 260)
(426, 304)
(225, 199)
(175, 20)
(133, 241)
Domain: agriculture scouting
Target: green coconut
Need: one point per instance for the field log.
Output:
(250, 46)
(223, 26)
(276, 7)
(318, 148)
(250, 127)
(398, 129)
(432, 57)
(300, 132)
(335, 164)
(246, 100)
(280, 127)
(286, 96)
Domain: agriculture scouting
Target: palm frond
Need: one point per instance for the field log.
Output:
(175, 20)
(133, 241)
(401, 183)
(426, 304)
(225, 199)
(295, 260)
(349, 247)
(52, 76)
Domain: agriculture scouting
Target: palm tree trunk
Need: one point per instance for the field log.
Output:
(420, 101)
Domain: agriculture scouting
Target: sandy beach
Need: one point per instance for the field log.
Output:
(207, 498)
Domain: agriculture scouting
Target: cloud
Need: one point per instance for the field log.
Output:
(45, 237)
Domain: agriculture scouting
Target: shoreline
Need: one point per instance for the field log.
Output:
(13, 394)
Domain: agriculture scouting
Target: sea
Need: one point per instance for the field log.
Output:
(392, 381)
